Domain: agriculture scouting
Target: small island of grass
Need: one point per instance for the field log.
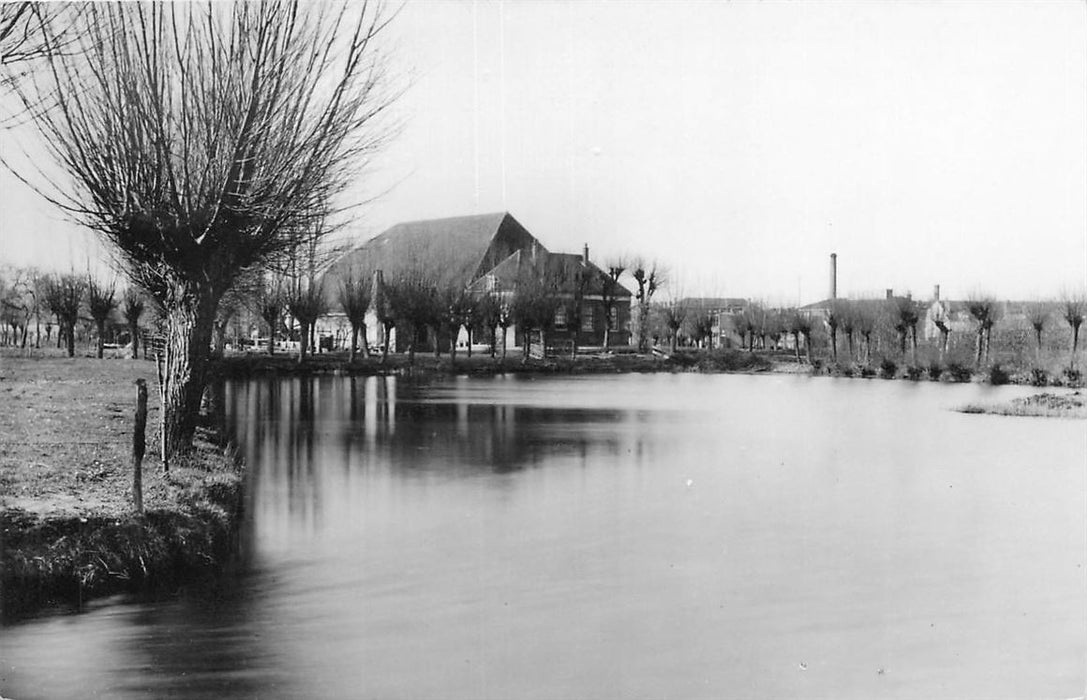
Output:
(1043, 405)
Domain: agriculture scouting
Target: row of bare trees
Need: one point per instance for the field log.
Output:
(63, 300)
(858, 323)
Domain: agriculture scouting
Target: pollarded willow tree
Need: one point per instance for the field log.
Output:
(201, 141)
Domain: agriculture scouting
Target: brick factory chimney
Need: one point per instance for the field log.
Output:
(890, 293)
(585, 255)
(936, 292)
(833, 275)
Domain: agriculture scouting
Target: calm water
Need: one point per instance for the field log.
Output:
(658, 536)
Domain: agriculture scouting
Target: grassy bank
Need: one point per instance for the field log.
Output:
(1039, 405)
(68, 531)
(236, 366)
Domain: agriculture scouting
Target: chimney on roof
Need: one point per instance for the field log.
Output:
(585, 255)
(890, 293)
(936, 292)
(833, 275)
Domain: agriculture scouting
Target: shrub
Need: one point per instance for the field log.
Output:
(998, 375)
(845, 370)
(867, 372)
(914, 373)
(1072, 375)
(887, 368)
(959, 373)
(1038, 377)
(934, 371)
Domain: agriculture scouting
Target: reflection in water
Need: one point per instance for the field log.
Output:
(615, 537)
(323, 442)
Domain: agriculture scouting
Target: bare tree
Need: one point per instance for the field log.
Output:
(535, 302)
(268, 301)
(866, 320)
(648, 278)
(132, 306)
(488, 312)
(1074, 308)
(63, 296)
(609, 294)
(702, 327)
(305, 301)
(1037, 316)
(903, 315)
(201, 141)
(355, 293)
(836, 315)
(674, 315)
(984, 311)
(101, 301)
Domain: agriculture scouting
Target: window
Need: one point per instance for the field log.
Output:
(491, 283)
(560, 318)
(587, 318)
(613, 319)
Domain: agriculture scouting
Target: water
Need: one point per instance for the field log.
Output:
(680, 536)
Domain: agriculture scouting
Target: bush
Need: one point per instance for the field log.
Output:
(868, 372)
(934, 371)
(845, 370)
(1072, 375)
(887, 368)
(914, 373)
(998, 376)
(959, 373)
(1038, 377)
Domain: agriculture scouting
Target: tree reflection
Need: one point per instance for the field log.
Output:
(305, 438)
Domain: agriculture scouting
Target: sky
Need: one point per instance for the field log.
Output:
(737, 144)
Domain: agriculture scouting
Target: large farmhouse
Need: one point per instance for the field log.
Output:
(487, 254)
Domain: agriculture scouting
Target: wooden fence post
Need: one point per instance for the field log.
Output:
(139, 444)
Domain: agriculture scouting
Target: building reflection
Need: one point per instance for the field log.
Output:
(307, 441)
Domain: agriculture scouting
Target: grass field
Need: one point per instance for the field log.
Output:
(68, 529)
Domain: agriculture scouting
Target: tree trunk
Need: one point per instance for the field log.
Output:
(188, 340)
(452, 346)
(1038, 336)
(303, 340)
(978, 346)
(796, 345)
(867, 349)
(71, 339)
(100, 327)
(134, 332)
(385, 345)
(365, 341)
(807, 347)
(354, 343)
(504, 329)
(913, 341)
(468, 330)
(834, 345)
(1075, 344)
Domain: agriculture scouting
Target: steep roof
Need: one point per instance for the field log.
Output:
(563, 266)
(455, 250)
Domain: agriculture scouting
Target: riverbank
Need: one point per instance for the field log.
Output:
(68, 531)
(251, 365)
(685, 360)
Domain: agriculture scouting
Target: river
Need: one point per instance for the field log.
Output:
(634, 536)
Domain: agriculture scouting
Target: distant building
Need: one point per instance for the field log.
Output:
(487, 254)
